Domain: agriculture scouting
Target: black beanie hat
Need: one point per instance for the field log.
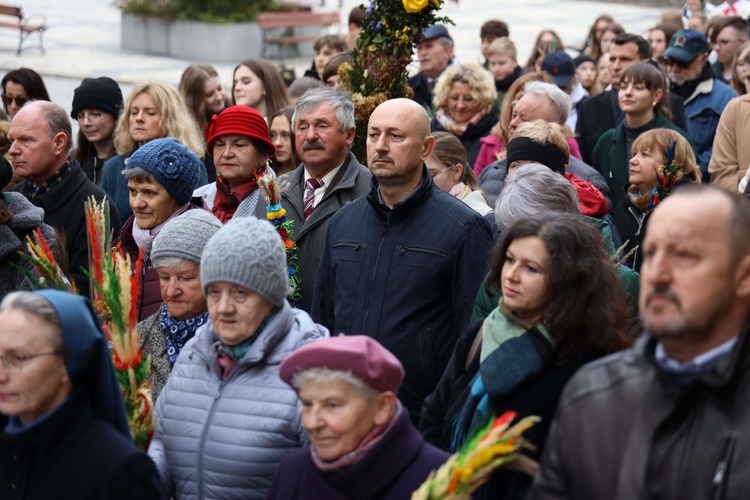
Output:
(582, 59)
(97, 93)
(549, 155)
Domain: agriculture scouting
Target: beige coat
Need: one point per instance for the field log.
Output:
(731, 153)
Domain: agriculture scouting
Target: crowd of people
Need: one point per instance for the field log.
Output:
(567, 238)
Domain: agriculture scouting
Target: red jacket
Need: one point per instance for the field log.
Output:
(590, 200)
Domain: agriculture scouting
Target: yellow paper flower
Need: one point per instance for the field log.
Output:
(414, 6)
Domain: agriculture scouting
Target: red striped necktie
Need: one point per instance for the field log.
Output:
(312, 185)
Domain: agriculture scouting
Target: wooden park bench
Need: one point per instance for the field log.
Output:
(278, 27)
(25, 26)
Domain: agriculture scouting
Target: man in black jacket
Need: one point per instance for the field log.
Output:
(602, 112)
(668, 418)
(40, 139)
(403, 264)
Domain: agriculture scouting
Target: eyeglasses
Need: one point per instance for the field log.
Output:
(680, 64)
(93, 116)
(435, 174)
(20, 101)
(14, 362)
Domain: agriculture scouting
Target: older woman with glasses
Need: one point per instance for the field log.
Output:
(362, 443)
(68, 434)
(225, 418)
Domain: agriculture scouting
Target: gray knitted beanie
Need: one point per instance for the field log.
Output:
(173, 166)
(185, 236)
(247, 252)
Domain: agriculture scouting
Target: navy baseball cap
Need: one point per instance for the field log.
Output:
(560, 66)
(685, 45)
(435, 31)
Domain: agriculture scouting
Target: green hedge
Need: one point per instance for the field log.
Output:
(213, 11)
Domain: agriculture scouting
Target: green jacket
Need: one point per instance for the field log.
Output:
(611, 159)
(487, 298)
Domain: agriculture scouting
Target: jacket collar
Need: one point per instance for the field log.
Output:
(727, 370)
(265, 346)
(60, 193)
(416, 198)
(704, 87)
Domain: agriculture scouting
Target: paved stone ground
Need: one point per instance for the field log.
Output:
(83, 38)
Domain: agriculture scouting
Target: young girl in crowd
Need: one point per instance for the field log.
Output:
(204, 94)
(258, 84)
(644, 99)
(587, 74)
(593, 41)
(285, 159)
(97, 103)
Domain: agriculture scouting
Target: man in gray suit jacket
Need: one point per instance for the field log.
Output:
(328, 178)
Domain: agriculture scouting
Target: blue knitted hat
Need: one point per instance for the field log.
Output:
(173, 166)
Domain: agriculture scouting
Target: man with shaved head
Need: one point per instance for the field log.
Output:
(668, 418)
(403, 264)
(40, 138)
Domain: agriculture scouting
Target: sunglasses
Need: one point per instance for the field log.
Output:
(20, 101)
(680, 64)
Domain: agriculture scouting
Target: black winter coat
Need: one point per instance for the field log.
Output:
(624, 430)
(407, 277)
(72, 454)
(63, 206)
(536, 397)
(470, 139)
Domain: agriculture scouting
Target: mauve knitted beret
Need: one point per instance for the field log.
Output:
(172, 164)
(238, 120)
(361, 355)
(97, 93)
(247, 252)
(185, 236)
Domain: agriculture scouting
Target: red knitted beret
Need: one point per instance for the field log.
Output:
(238, 120)
(359, 354)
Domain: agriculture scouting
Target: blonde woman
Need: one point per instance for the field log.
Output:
(152, 111)
(466, 103)
(647, 160)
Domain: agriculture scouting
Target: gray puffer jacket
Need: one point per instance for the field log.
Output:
(225, 439)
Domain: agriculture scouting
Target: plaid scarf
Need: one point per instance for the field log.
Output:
(35, 192)
(177, 332)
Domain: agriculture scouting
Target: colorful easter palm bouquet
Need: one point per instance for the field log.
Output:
(116, 287)
(495, 446)
(276, 214)
(667, 176)
(46, 273)
(391, 30)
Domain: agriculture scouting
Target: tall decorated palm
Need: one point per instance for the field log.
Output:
(391, 30)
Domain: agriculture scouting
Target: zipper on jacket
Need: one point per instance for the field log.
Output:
(637, 233)
(372, 278)
(425, 364)
(204, 436)
(404, 249)
(721, 475)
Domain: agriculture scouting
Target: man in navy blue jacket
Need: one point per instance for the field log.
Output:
(403, 264)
